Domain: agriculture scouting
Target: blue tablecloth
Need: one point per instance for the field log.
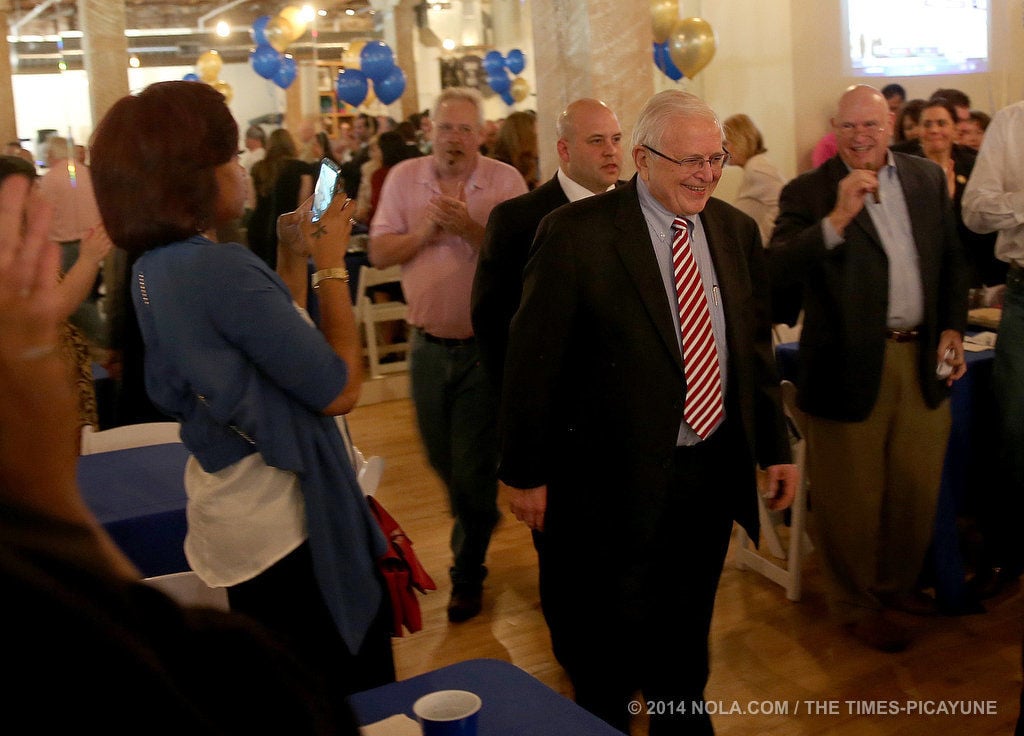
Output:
(139, 496)
(514, 702)
(968, 454)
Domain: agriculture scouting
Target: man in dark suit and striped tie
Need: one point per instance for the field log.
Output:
(640, 390)
(589, 162)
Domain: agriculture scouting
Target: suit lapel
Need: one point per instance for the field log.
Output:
(913, 186)
(550, 193)
(636, 251)
(837, 172)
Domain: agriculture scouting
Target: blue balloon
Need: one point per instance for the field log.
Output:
(258, 26)
(663, 60)
(500, 83)
(515, 61)
(391, 87)
(286, 72)
(191, 77)
(266, 61)
(508, 98)
(352, 86)
(376, 60)
(493, 63)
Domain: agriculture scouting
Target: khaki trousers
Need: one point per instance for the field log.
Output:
(874, 487)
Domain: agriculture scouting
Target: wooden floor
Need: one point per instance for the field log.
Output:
(769, 655)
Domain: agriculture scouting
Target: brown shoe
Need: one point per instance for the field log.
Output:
(466, 602)
(914, 602)
(879, 633)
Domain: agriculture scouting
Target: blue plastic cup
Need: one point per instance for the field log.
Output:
(448, 713)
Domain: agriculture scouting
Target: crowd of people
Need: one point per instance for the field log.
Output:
(531, 304)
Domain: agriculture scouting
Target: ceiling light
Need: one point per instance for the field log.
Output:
(223, 29)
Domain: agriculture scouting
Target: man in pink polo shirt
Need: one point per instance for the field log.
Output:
(431, 219)
(67, 186)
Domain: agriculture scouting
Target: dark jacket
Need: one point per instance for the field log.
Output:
(844, 291)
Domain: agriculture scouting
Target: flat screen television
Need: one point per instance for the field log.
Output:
(908, 38)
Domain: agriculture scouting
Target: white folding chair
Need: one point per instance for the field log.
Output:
(370, 313)
(787, 566)
(368, 469)
(129, 435)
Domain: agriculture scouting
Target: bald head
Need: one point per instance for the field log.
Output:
(589, 144)
(863, 127)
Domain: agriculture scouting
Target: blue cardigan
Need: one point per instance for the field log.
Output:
(229, 357)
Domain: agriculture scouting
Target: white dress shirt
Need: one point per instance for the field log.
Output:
(994, 197)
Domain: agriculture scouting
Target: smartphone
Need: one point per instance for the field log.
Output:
(326, 186)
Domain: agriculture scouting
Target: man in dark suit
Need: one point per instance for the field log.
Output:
(869, 241)
(632, 496)
(590, 158)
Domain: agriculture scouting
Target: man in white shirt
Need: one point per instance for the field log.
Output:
(255, 150)
(994, 201)
(590, 159)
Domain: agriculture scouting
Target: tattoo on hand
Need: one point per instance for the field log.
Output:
(320, 231)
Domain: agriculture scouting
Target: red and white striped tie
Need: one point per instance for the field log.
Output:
(704, 407)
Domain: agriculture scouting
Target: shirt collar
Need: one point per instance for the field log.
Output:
(572, 189)
(890, 161)
(655, 211)
(476, 180)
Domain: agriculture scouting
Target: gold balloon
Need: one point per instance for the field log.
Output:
(278, 33)
(691, 45)
(224, 88)
(293, 15)
(664, 14)
(351, 57)
(520, 89)
(208, 65)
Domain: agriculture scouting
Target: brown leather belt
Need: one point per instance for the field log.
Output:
(901, 335)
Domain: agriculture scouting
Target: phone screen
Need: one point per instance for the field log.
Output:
(326, 184)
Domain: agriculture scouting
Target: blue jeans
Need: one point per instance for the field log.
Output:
(1008, 385)
(457, 415)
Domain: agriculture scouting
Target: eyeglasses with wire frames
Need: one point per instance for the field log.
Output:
(849, 129)
(693, 164)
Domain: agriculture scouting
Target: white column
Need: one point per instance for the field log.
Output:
(600, 48)
(105, 53)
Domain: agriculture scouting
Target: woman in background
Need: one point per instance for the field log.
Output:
(275, 513)
(906, 129)
(938, 131)
(517, 145)
(758, 194)
(322, 148)
(282, 182)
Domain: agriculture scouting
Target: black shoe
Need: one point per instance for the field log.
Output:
(466, 602)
